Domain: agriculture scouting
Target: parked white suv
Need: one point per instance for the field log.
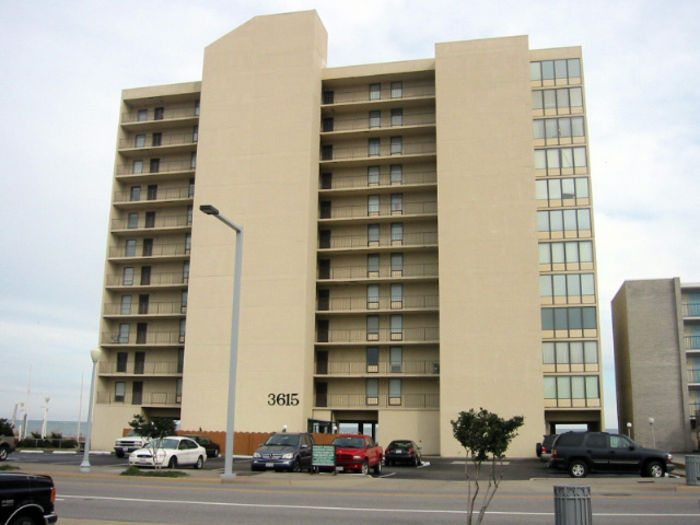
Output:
(127, 444)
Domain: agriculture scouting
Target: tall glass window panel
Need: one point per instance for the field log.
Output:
(573, 285)
(396, 202)
(547, 70)
(584, 219)
(580, 157)
(551, 130)
(372, 296)
(396, 232)
(574, 65)
(373, 205)
(540, 159)
(537, 100)
(372, 358)
(538, 129)
(374, 147)
(535, 73)
(372, 264)
(555, 221)
(550, 387)
(576, 97)
(375, 91)
(396, 172)
(547, 317)
(545, 286)
(570, 220)
(562, 353)
(550, 99)
(548, 353)
(576, 352)
(394, 391)
(589, 318)
(133, 221)
(396, 359)
(123, 336)
(185, 271)
(140, 141)
(128, 276)
(590, 351)
(396, 326)
(559, 285)
(543, 221)
(560, 69)
(587, 284)
(586, 251)
(372, 175)
(564, 127)
(372, 325)
(125, 305)
(396, 264)
(552, 158)
(563, 388)
(396, 295)
(575, 319)
(135, 193)
(554, 188)
(578, 389)
(581, 188)
(592, 387)
(142, 115)
(119, 391)
(567, 158)
(183, 326)
(568, 189)
(396, 145)
(372, 391)
(541, 192)
(375, 119)
(557, 253)
(396, 89)
(373, 233)
(137, 167)
(397, 117)
(130, 248)
(562, 98)
(545, 253)
(577, 127)
(188, 243)
(561, 321)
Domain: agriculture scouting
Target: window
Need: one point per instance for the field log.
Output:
(158, 113)
(397, 89)
(372, 175)
(372, 265)
(156, 139)
(560, 158)
(143, 303)
(182, 330)
(396, 171)
(375, 91)
(397, 295)
(196, 108)
(142, 115)
(557, 128)
(128, 276)
(373, 234)
(135, 193)
(136, 392)
(188, 243)
(141, 333)
(558, 100)
(560, 69)
(154, 165)
(185, 271)
(373, 205)
(375, 119)
(183, 301)
(327, 124)
(193, 160)
(123, 336)
(396, 264)
(145, 275)
(396, 145)
(372, 327)
(150, 219)
(570, 352)
(372, 359)
(372, 391)
(147, 249)
(119, 391)
(397, 117)
(133, 221)
(121, 361)
(372, 296)
(566, 252)
(125, 307)
(556, 189)
(137, 167)
(396, 359)
(573, 318)
(130, 248)
(195, 134)
(180, 360)
(396, 327)
(328, 96)
(575, 220)
(396, 203)
(571, 387)
(396, 233)
(140, 141)
(374, 147)
(394, 391)
(178, 394)
(573, 286)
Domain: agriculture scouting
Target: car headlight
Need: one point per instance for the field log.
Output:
(257, 455)
(669, 457)
(288, 455)
(357, 457)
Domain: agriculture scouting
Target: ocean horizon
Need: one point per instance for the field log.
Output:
(68, 429)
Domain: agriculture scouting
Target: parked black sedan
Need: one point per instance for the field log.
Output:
(213, 449)
(402, 451)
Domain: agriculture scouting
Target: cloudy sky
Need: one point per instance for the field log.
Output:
(64, 64)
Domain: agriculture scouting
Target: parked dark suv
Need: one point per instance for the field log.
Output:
(284, 451)
(582, 452)
(26, 499)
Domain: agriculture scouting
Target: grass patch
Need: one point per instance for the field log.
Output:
(135, 471)
(7, 466)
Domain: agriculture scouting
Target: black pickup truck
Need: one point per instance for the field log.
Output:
(7, 445)
(26, 499)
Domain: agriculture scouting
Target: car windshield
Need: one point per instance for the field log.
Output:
(166, 443)
(282, 440)
(406, 444)
(349, 442)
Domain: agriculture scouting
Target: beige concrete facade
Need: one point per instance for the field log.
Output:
(393, 240)
(656, 325)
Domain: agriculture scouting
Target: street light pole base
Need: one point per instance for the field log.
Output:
(228, 478)
(84, 467)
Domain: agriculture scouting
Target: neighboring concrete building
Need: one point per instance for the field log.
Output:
(397, 219)
(656, 325)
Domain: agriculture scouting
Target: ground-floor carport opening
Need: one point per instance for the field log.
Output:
(357, 422)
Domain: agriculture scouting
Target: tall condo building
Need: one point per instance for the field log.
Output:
(418, 241)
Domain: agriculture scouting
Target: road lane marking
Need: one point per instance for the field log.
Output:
(365, 509)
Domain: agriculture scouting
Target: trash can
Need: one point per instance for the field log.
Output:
(692, 470)
(572, 506)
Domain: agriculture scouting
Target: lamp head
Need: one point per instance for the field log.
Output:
(209, 209)
(95, 354)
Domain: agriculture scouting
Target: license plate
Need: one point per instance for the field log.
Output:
(339, 469)
(399, 451)
(269, 465)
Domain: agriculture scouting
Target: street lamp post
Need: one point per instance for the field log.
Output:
(629, 430)
(653, 437)
(95, 356)
(228, 474)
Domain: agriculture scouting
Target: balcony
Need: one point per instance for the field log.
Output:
(162, 251)
(427, 271)
(572, 403)
(150, 309)
(169, 117)
(411, 93)
(363, 369)
(691, 310)
(148, 368)
(348, 156)
(387, 211)
(348, 126)
(694, 377)
(163, 339)
(160, 279)
(157, 171)
(363, 305)
(337, 401)
(692, 342)
(181, 194)
(166, 223)
(166, 144)
(148, 399)
(360, 182)
(423, 334)
(358, 242)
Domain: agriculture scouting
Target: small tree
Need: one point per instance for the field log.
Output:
(155, 429)
(6, 428)
(483, 434)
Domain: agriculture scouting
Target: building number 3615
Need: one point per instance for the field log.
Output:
(283, 400)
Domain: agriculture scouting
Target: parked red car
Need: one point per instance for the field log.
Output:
(358, 452)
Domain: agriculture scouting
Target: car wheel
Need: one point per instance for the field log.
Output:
(296, 466)
(119, 453)
(173, 462)
(200, 463)
(365, 468)
(378, 468)
(654, 469)
(3, 453)
(215, 454)
(23, 520)
(578, 469)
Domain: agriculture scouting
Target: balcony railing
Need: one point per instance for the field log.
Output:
(360, 181)
(384, 272)
(162, 194)
(360, 335)
(157, 250)
(692, 342)
(693, 408)
(359, 153)
(362, 368)
(151, 338)
(383, 401)
(691, 309)
(164, 166)
(146, 368)
(152, 308)
(161, 221)
(146, 399)
(386, 121)
(360, 241)
(408, 208)
(409, 91)
(184, 139)
(129, 117)
(694, 376)
(351, 304)
(155, 279)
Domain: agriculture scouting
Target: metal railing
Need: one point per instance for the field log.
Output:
(382, 401)
(694, 375)
(385, 121)
(161, 221)
(164, 166)
(184, 139)
(361, 272)
(360, 241)
(361, 94)
(162, 194)
(360, 181)
(151, 338)
(691, 309)
(360, 335)
(692, 342)
(152, 308)
(387, 209)
(156, 279)
(382, 303)
(147, 398)
(158, 250)
(346, 368)
(171, 367)
(128, 117)
(362, 153)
